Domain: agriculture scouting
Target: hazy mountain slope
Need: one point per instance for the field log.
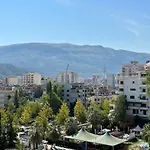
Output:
(52, 58)
(8, 70)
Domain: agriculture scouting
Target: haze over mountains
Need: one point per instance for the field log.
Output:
(49, 59)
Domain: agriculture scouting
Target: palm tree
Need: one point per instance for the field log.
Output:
(35, 136)
(146, 133)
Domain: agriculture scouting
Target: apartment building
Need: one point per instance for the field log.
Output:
(32, 78)
(131, 83)
(5, 96)
(67, 77)
(110, 80)
(72, 92)
(12, 80)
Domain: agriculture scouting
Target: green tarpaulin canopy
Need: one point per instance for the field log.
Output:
(83, 135)
(108, 139)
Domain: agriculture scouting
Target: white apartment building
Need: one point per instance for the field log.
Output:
(32, 78)
(5, 96)
(67, 77)
(131, 83)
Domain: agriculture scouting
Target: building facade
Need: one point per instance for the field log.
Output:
(69, 77)
(13, 80)
(130, 82)
(32, 78)
(6, 96)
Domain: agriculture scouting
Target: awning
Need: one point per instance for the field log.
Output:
(83, 135)
(108, 139)
(137, 129)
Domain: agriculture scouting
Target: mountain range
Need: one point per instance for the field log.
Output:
(51, 58)
(8, 70)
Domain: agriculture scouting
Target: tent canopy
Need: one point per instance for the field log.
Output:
(83, 135)
(137, 129)
(108, 139)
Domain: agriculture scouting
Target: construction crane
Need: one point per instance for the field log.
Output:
(66, 80)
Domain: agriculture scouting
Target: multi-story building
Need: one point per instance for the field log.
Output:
(6, 96)
(131, 69)
(96, 79)
(32, 78)
(67, 77)
(72, 92)
(12, 80)
(110, 80)
(131, 83)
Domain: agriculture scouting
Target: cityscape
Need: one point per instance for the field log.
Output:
(68, 102)
(74, 75)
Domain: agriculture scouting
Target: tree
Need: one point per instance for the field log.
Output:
(80, 112)
(147, 81)
(95, 116)
(43, 117)
(49, 89)
(146, 133)
(53, 132)
(7, 131)
(55, 103)
(35, 136)
(63, 114)
(38, 91)
(106, 107)
(71, 126)
(120, 109)
(26, 115)
(16, 99)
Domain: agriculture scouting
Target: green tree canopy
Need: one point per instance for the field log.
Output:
(146, 133)
(120, 109)
(80, 112)
(43, 117)
(95, 115)
(147, 81)
(63, 114)
(26, 116)
(71, 126)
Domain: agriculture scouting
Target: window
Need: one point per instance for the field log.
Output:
(78, 95)
(134, 111)
(132, 97)
(133, 81)
(67, 95)
(67, 90)
(121, 82)
(121, 90)
(144, 90)
(132, 89)
(144, 112)
(143, 105)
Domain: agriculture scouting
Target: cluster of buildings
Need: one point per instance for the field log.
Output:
(130, 82)
(31, 78)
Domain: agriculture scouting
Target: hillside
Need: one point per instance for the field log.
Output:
(8, 70)
(49, 59)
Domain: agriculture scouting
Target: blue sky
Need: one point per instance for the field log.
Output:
(120, 24)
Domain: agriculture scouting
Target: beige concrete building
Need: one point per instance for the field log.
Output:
(5, 96)
(32, 78)
(13, 80)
